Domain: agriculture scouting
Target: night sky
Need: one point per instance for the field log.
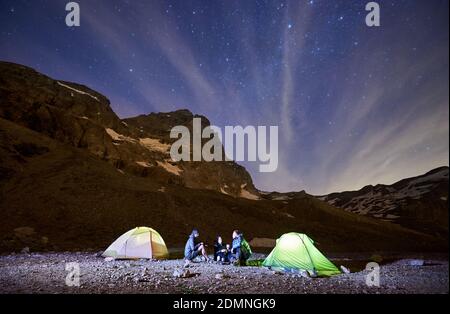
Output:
(354, 105)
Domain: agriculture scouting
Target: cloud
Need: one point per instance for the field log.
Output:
(355, 106)
(297, 14)
(380, 140)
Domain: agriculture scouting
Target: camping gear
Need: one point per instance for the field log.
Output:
(296, 252)
(246, 249)
(254, 262)
(140, 242)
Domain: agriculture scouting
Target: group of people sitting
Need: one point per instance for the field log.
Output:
(237, 253)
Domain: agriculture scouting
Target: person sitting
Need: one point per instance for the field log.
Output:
(193, 249)
(220, 250)
(240, 249)
(228, 254)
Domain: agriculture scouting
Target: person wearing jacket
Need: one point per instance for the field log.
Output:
(221, 250)
(240, 249)
(193, 249)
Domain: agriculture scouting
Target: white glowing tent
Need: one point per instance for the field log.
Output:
(140, 242)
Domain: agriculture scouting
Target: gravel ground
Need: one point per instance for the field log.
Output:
(46, 273)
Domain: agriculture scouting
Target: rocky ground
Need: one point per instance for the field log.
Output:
(46, 273)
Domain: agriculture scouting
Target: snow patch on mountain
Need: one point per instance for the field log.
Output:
(154, 144)
(246, 194)
(222, 190)
(170, 168)
(77, 90)
(119, 137)
(143, 164)
(385, 201)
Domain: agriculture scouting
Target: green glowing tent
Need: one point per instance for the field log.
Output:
(295, 252)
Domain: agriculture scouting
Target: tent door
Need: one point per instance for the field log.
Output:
(150, 244)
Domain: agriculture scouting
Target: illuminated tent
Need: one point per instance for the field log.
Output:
(295, 252)
(140, 242)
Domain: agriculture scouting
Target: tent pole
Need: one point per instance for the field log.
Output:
(309, 255)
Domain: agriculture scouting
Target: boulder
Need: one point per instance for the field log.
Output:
(345, 270)
(416, 262)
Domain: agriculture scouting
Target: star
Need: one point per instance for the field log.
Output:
(314, 61)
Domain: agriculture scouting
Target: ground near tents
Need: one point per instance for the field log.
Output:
(46, 273)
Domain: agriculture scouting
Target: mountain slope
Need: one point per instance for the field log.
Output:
(74, 176)
(419, 203)
(76, 115)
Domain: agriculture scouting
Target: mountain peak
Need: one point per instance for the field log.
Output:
(419, 202)
(74, 172)
(75, 114)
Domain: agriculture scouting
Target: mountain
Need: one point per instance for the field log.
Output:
(419, 203)
(74, 176)
(76, 115)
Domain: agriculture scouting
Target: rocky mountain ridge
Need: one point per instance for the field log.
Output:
(74, 176)
(77, 115)
(419, 202)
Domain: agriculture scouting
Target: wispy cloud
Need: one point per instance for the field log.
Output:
(296, 24)
(355, 106)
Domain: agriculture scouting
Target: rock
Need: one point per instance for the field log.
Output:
(137, 279)
(177, 273)
(416, 262)
(345, 270)
(184, 273)
(25, 250)
(221, 276)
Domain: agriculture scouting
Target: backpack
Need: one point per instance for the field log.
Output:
(246, 250)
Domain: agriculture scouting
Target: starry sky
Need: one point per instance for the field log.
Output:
(354, 105)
